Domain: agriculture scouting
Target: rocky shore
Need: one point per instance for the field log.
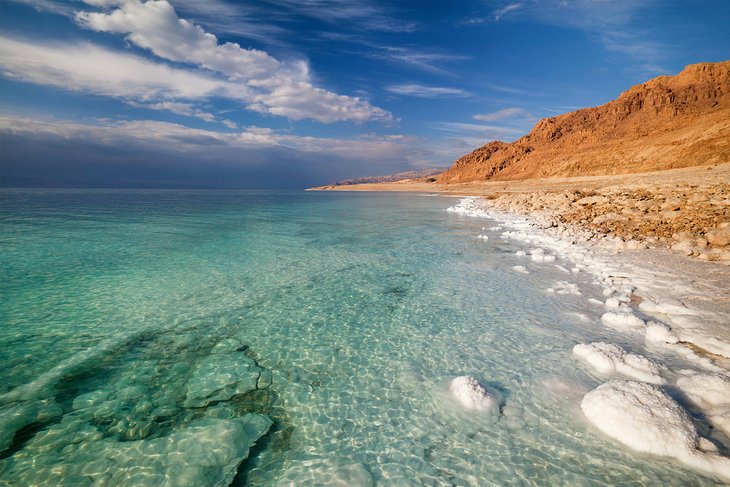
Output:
(691, 218)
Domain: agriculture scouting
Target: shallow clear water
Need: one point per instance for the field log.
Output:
(350, 313)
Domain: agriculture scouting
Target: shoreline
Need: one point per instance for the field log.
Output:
(658, 245)
(677, 307)
(687, 210)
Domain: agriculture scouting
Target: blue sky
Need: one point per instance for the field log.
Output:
(293, 93)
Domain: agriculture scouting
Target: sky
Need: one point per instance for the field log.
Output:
(295, 93)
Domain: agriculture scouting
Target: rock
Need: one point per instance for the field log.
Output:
(222, 375)
(719, 237)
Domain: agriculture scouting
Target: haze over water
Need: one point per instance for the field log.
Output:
(352, 312)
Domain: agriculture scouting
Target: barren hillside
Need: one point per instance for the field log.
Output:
(667, 122)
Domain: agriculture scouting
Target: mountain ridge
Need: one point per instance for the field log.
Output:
(666, 122)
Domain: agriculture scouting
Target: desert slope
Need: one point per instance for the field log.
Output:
(667, 122)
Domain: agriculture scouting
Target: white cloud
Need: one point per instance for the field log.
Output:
(185, 109)
(88, 68)
(502, 114)
(422, 91)
(272, 87)
(180, 138)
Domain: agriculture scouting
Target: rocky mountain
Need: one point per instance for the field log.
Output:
(390, 178)
(667, 122)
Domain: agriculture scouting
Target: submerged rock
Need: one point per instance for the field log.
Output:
(207, 452)
(222, 375)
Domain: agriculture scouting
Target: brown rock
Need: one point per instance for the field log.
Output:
(719, 237)
(667, 122)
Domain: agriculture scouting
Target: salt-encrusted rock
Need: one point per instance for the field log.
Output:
(222, 375)
(206, 452)
(608, 358)
(646, 419)
(474, 396)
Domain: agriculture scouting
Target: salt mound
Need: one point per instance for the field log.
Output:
(521, 269)
(472, 395)
(539, 255)
(659, 333)
(607, 358)
(622, 321)
(483, 237)
(646, 419)
(711, 393)
(564, 287)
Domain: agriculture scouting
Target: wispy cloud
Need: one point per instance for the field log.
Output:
(505, 113)
(239, 19)
(423, 91)
(185, 109)
(501, 12)
(177, 137)
(360, 14)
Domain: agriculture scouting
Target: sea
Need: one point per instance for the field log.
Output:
(215, 337)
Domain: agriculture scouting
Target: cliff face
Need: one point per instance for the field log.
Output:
(667, 122)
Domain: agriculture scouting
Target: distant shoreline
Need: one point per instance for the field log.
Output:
(677, 208)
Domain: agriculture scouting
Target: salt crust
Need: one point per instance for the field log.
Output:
(622, 321)
(711, 393)
(521, 269)
(608, 358)
(472, 395)
(638, 414)
(646, 419)
(659, 333)
(564, 287)
(597, 258)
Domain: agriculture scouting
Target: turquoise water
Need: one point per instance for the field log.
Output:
(153, 337)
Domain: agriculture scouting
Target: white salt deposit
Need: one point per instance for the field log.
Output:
(659, 333)
(564, 287)
(520, 253)
(483, 237)
(623, 321)
(646, 419)
(666, 307)
(521, 269)
(711, 393)
(474, 396)
(539, 255)
(608, 359)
